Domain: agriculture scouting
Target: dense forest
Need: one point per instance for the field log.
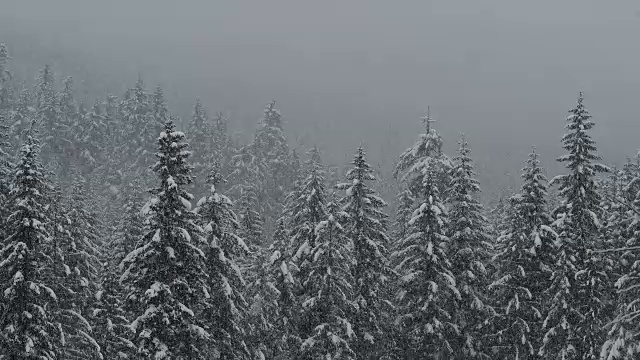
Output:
(130, 233)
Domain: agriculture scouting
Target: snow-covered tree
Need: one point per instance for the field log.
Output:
(426, 283)
(366, 227)
(468, 251)
(48, 113)
(76, 256)
(426, 151)
(525, 263)
(307, 210)
(328, 308)
(199, 132)
(166, 276)
(111, 330)
(622, 339)
(280, 270)
(5, 77)
(20, 117)
(404, 213)
(226, 307)
(92, 138)
(271, 148)
(28, 326)
(138, 125)
(574, 323)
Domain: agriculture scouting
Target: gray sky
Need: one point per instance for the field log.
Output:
(503, 71)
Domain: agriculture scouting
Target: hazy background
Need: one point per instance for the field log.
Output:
(503, 71)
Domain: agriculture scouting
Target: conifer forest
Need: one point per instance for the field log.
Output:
(131, 230)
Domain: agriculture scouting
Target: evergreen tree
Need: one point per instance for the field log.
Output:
(111, 330)
(199, 132)
(307, 210)
(426, 283)
(226, 307)
(404, 213)
(28, 326)
(427, 150)
(366, 226)
(20, 118)
(271, 149)
(574, 323)
(77, 258)
(622, 336)
(5, 77)
(469, 251)
(67, 124)
(93, 138)
(48, 114)
(328, 308)
(284, 305)
(525, 263)
(137, 125)
(166, 276)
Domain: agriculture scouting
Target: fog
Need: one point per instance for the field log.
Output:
(504, 72)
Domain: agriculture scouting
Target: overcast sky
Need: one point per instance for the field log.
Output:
(503, 71)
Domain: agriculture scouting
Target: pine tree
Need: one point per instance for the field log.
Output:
(426, 283)
(574, 325)
(93, 139)
(366, 226)
(77, 257)
(111, 330)
(5, 77)
(328, 308)
(307, 210)
(131, 225)
(426, 151)
(404, 211)
(28, 329)
(167, 275)
(67, 124)
(137, 125)
(200, 132)
(226, 307)
(621, 341)
(525, 264)
(284, 305)
(48, 113)
(271, 149)
(159, 111)
(469, 251)
(20, 118)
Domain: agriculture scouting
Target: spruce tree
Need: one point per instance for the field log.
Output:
(5, 77)
(76, 237)
(328, 307)
(525, 262)
(622, 340)
(48, 114)
(426, 283)
(166, 276)
(284, 309)
(138, 126)
(307, 210)
(225, 309)
(427, 150)
(271, 149)
(367, 228)
(20, 118)
(574, 323)
(199, 131)
(28, 325)
(468, 251)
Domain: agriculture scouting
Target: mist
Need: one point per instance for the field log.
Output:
(502, 72)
